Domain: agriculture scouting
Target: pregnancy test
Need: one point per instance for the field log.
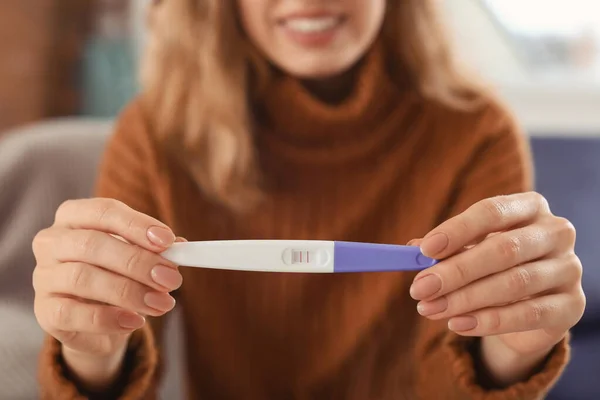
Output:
(301, 256)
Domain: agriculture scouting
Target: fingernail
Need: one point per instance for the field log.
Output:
(160, 236)
(427, 308)
(434, 245)
(167, 277)
(131, 321)
(425, 287)
(461, 324)
(159, 301)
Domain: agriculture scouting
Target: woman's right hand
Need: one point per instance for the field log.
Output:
(98, 273)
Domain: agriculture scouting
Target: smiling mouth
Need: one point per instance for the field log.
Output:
(312, 25)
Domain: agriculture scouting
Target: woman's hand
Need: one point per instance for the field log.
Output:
(508, 274)
(97, 275)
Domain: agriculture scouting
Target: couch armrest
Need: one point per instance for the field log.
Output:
(41, 166)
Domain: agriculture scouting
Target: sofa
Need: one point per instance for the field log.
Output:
(41, 166)
(44, 164)
(568, 174)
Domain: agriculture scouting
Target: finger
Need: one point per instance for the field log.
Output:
(504, 288)
(108, 252)
(563, 233)
(498, 253)
(62, 315)
(415, 242)
(96, 284)
(491, 215)
(552, 312)
(115, 217)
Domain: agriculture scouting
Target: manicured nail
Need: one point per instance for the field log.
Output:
(159, 301)
(462, 324)
(160, 236)
(425, 287)
(427, 308)
(167, 277)
(434, 245)
(131, 321)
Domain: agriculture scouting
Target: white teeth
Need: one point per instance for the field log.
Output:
(312, 25)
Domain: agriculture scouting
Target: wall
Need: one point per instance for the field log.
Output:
(479, 43)
(40, 56)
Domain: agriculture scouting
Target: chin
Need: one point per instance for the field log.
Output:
(318, 69)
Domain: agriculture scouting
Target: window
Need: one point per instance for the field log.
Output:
(556, 40)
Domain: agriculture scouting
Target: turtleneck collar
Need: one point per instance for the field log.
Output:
(297, 124)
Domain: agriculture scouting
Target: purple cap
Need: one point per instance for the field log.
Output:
(369, 257)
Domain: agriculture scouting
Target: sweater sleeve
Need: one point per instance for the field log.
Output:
(501, 165)
(123, 176)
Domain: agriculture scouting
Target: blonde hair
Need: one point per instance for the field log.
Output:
(199, 66)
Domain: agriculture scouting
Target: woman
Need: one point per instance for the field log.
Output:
(300, 119)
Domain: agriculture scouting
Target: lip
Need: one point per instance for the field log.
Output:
(315, 13)
(311, 39)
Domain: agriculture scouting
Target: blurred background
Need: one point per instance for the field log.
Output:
(69, 66)
(79, 58)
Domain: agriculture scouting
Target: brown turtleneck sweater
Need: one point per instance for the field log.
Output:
(385, 166)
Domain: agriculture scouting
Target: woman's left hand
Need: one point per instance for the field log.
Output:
(508, 274)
